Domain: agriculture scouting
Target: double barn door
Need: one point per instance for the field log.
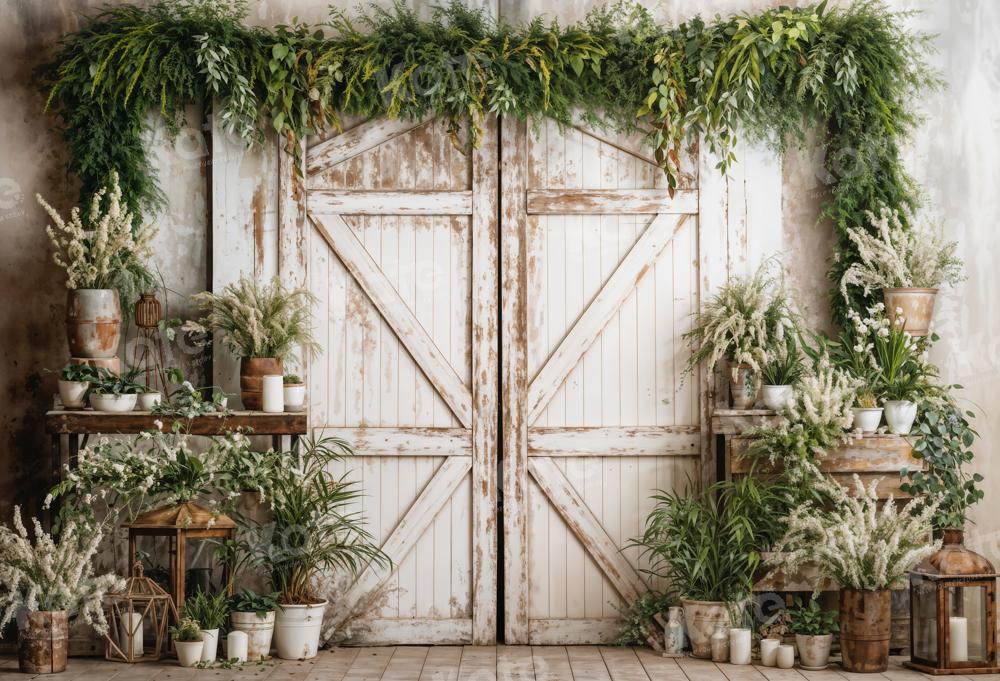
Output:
(502, 345)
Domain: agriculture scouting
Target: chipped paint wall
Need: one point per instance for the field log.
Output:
(954, 156)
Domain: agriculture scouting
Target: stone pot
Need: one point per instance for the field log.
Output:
(865, 629)
(297, 630)
(777, 396)
(73, 393)
(701, 619)
(259, 631)
(814, 651)
(252, 373)
(93, 322)
(917, 305)
(43, 642)
(867, 419)
(743, 386)
(899, 414)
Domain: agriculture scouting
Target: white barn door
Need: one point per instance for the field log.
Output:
(399, 234)
(600, 270)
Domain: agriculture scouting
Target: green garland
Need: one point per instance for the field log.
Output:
(853, 72)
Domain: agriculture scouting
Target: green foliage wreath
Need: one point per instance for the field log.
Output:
(851, 72)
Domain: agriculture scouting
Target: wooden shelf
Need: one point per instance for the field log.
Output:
(90, 422)
(735, 421)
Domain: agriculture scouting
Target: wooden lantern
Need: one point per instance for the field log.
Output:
(180, 524)
(137, 619)
(953, 613)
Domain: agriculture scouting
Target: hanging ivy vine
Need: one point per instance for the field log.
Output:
(853, 73)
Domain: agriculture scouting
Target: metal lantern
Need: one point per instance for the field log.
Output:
(179, 525)
(953, 613)
(137, 619)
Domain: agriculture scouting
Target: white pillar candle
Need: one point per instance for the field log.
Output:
(958, 639)
(769, 651)
(739, 646)
(785, 656)
(236, 646)
(131, 621)
(274, 394)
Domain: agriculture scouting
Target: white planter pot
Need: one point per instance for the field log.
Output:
(113, 403)
(149, 400)
(777, 396)
(701, 618)
(785, 657)
(297, 630)
(258, 630)
(899, 414)
(814, 651)
(295, 397)
(73, 393)
(210, 637)
(867, 419)
(739, 646)
(189, 652)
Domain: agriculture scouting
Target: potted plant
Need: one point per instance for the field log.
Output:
(74, 382)
(865, 547)
(210, 612)
(707, 546)
(783, 369)
(313, 531)
(187, 641)
(105, 261)
(813, 628)
(739, 324)
(253, 614)
(295, 393)
(901, 373)
(907, 262)
(115, 393)
(44, 582)
(260, 323)
(149, 399)
(867, 413)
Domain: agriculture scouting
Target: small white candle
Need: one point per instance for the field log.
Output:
(958, 639)
(769, 651)
(785, 656)
(274, 394)
(739, 646)
(131, 621)
(236, 646)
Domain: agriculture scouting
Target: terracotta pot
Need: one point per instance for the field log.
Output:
(917, 305)
(865, 629)
(252, 373)
(743, 386)
(43, 642)
(701, 619)
(814, 651)
(93, 322)
(147, 311)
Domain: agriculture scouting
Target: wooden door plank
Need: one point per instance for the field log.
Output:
(293, 235)
(610, 201)
(401, 541)
(370, 202)
(485, 385)
(515, 663)
(406, 441)
(587, 663)
(479, 663)
(514, 380)
(400, 318)
(589, 325)
(357, 140)
(441, 664)
(623, 665)
(660, 668)
(551, 663)
(615, 441)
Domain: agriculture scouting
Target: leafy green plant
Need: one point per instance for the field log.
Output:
(783, 367)
(79, 373)
(248, 600)
(209, 611)
(187, 401)
(812, 619)
(107, 383)
(186, 629)
(260, 320)
(866, 399)
(292, 379)
(639, 618)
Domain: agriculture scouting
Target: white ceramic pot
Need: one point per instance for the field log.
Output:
(259, 631)
(899, 414)
(785, 657)
(149, 400)
(73, 394)
(701, 618)
(297, 629)
(295, 396)
(739, 646)
(867, 419)
(189, 652)
(777, 396)
(210, 637)
(814, 651)
(769, 651)
(118, 404)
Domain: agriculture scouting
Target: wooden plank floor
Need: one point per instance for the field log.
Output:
(457, 663)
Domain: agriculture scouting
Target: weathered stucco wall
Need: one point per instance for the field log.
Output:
(954, 155)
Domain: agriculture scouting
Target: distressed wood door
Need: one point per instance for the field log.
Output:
(398, 233)
(600, 276)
